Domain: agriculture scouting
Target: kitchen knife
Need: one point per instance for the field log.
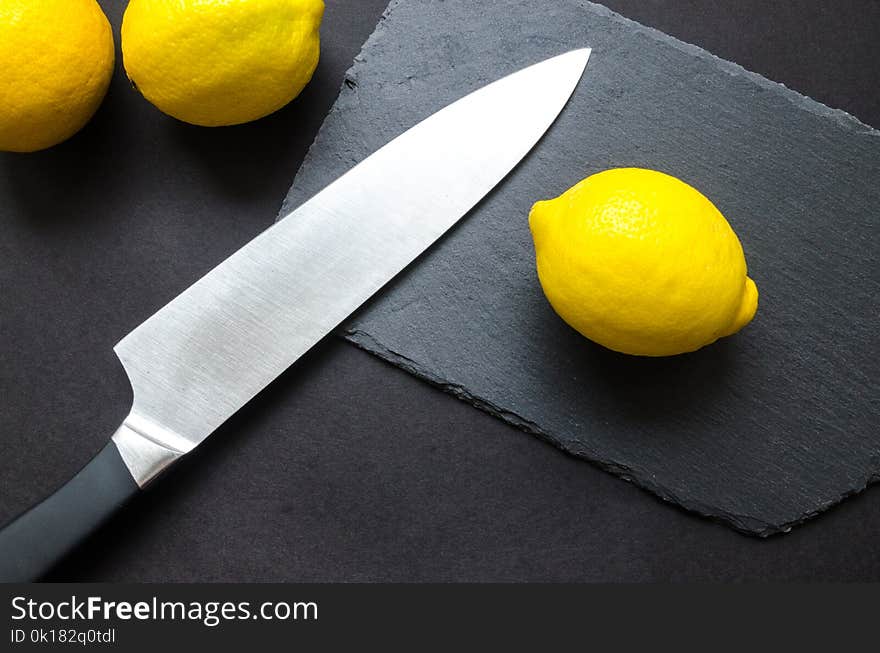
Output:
(216, 345)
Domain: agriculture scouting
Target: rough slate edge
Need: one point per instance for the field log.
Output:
(742, 523)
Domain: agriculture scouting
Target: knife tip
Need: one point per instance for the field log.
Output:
(581, 54)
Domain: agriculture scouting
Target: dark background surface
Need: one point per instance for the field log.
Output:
(346, 468)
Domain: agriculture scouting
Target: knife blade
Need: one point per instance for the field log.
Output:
(211, 349)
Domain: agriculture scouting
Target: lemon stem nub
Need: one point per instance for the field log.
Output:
(747, 308)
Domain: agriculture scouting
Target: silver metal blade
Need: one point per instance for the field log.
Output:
(210, 350)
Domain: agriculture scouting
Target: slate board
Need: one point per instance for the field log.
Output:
(762, 430)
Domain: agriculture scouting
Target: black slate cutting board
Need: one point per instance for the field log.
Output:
(762, 430)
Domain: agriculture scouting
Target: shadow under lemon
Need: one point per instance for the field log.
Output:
(642, 391)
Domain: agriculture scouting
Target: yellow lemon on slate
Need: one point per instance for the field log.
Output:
(221, 62)
(642, 263)
(56, 61)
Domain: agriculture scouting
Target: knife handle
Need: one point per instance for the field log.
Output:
(33, 542)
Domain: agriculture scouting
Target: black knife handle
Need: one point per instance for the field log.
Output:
(33, 542)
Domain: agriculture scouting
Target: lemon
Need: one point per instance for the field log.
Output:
(56, 61)
(642, 263)
(221, 62)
